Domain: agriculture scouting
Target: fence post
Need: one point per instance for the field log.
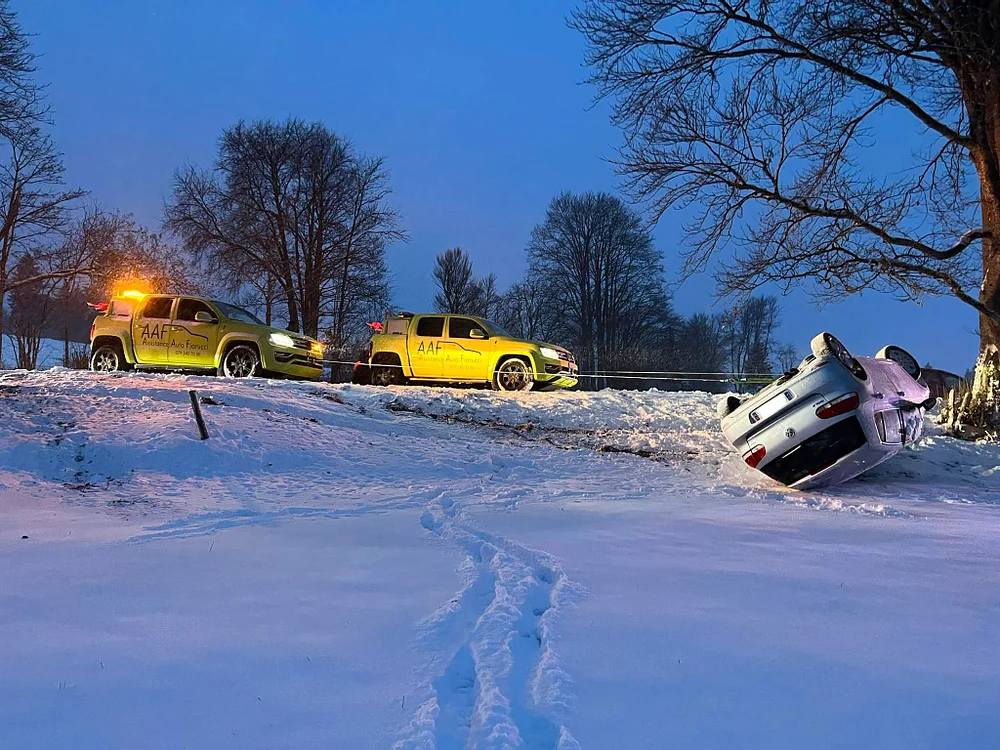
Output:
(196, 408)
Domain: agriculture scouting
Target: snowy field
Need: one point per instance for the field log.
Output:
(351, 567)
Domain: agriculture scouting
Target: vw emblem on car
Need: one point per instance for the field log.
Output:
(789, 433)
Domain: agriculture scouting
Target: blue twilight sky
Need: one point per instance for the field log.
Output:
(478, 108)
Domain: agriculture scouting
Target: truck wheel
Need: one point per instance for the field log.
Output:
(242, 361)
(513, 374)
(382, 375)
(107, 358)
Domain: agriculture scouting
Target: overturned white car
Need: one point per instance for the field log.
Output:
(831, 418)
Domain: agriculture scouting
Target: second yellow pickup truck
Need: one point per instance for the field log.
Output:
(463, 349)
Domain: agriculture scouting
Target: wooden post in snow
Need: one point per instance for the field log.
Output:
(196, 408)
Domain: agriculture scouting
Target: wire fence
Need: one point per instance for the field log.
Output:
(644, 375)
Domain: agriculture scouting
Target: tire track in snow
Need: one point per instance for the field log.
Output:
(503, 684)
(203, 524)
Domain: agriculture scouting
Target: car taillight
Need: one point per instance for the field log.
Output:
(371, 349)
(755, 455)
(838, 406)
(93, 327)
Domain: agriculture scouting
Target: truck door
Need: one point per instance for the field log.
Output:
(424, 346)
(151, 331)
(193, 342)
(466, 350)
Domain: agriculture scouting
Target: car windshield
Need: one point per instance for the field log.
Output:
(237, 313)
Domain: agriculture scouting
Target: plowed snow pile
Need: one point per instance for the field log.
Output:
(343, 566)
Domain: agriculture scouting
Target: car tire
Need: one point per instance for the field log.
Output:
(728, 405)
(108, 358)
(513, 374)
(240, 361)
(827, 344)
(385, 375)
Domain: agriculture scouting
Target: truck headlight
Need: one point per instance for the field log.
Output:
(548, 353)
(317, 348)
(282, 339)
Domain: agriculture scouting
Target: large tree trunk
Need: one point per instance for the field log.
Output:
(984, 406)
(980, 408)
(268, 296)
(288, 291)
(989, 294)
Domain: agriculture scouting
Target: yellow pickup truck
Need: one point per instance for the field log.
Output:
(462, 349)
(177, 332)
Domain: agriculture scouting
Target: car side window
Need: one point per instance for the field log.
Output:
(188, 308)
(460, 328)
(157, 307)
(429, 327)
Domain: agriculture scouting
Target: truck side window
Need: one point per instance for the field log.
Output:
(459, 328)
(121, 308)
(430, 326)
(187, 308)
(157, 307)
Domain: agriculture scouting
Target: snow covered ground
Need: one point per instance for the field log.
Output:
(354, 567)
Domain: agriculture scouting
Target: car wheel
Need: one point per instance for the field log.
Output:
(827, 343)
(107, 358)
(513, 374)
(384, 375)
(242, 361)
(728, 405)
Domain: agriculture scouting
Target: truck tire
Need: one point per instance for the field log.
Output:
(386, 375)
(240, 361)
(513, 374)
(108, 358)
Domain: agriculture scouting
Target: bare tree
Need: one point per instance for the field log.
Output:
(364, 277)
(90, 239)
(488, 297)
(290, 206)
(32, 201)
(522, 310)
(749, 331)
(457, 289)
(786, 356)
(702, 351)
(602, 278)
(31, 306)
(762, 115)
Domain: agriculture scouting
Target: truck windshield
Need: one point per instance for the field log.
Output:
(498, 330)
(237, 313)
